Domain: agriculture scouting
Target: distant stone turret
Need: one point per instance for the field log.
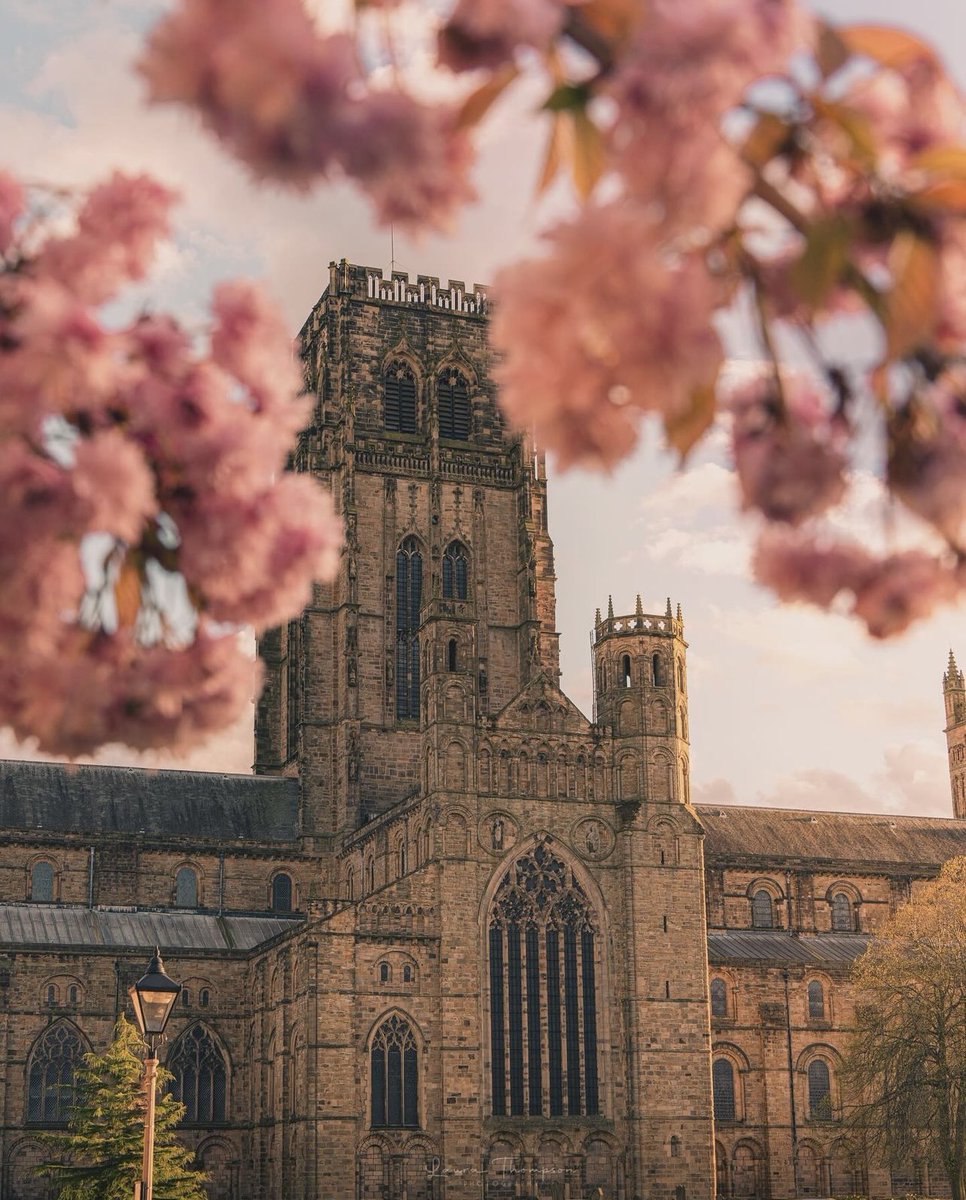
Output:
(954, 693)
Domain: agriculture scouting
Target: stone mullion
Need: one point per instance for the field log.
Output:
(581, 1053)
(544, 1011)
(562, 976)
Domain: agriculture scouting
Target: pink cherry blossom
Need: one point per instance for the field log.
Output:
(12, 205)
(113, 481)
(903, 588)
(800, 567)
(600, 329)
(487, 33)
(789, 452)
(118, 228)
(927, 456)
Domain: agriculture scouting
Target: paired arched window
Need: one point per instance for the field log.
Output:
(453, 398)
(762, 910)
(455, 572)
(394, 1073)
(543, 991)
(199, 1076)
(819, 1091)
(719, 998)
(42, 883)
(186, 888)
(842, 914)
(385, 972)
(399, 398)
(723, 1089)
(282, 893)
(816, 1001)
(50, 1077)
(409, 593)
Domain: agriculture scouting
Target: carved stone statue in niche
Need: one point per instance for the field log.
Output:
(353, 756)
(352, 672)
(592, 838)
(497, 833)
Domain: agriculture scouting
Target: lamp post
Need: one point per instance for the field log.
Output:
(153, 997)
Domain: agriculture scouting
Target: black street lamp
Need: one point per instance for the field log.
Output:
(153, 997)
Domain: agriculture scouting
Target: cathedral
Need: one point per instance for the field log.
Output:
(454, 939)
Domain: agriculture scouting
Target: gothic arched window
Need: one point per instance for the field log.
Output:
(199, 1076)
(42, 883)
(453, 396)
(186, 888)
(719, 998)
(841, 914)
(543, 991)
(399, 398)
(723, 1089)
(762, 910)
(819, 1091)
(816, 1001)
(282, 893)
(455, 572)
(409, 593)
(50, 1077)
(393, 1062)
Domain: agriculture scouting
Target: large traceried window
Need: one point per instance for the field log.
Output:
(399, 398)
(50, 1078)
(543, 991)
(409, 593)
(455, 573)
(394, 1073)
(453, 396)
(200, 1076)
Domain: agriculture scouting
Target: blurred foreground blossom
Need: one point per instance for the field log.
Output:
(144, 515)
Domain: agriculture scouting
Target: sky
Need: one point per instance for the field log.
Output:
(788, 706)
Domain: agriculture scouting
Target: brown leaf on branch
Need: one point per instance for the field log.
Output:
(911, 304)
(948, 195)
(824, 261)
(685, 429)
(477, 104)
(831, 52)
(555, 154)
(587, 164)
(127, 594)
(767, 137)
(613, 19)
(885, 44)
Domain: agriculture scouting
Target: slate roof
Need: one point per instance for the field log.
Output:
(47, 925)
(777, 946)
(131, 800)
(739, 833)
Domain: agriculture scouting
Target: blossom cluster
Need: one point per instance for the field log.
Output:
(144, 515)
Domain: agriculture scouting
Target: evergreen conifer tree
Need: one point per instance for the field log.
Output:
(101, 1149)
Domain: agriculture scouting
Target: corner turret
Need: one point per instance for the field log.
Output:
(954, 695)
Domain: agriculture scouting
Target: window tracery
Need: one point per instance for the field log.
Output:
(543, 991)
(455, 572)
(50, 1077)
(399, 398)
(199, 1076)
(453, 397)
(394, 1070)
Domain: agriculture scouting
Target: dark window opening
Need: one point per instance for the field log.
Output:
(819, 1091)
(50, 1078)
(204, 997)
(282, 893)
(399, 415)
(186, 888)
(453, 396)
(52, 994)
(395, 1082)
(451, 655)
(626, 670)
(409, 590)
(816, 1001)
(455, 572)
(762, 910)
(723, 1089)
(200, 1080)
(657, 671)
(719, 998)
(42, 883)
(73, 994)
(841, 914)
(407, 974)
(383, 972)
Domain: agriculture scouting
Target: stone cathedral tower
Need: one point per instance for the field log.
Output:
(954, 694)
(552, 862)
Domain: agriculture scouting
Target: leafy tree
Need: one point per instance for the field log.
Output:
(907, 1059)
(104, 1141)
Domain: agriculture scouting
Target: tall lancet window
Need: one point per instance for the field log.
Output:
(455, 575)
(543, 991)
(453, 394)
(409, 591)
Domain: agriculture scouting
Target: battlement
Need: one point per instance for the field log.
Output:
(638, 622)
(369, 283)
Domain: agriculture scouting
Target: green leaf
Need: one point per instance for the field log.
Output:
(568, 96)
